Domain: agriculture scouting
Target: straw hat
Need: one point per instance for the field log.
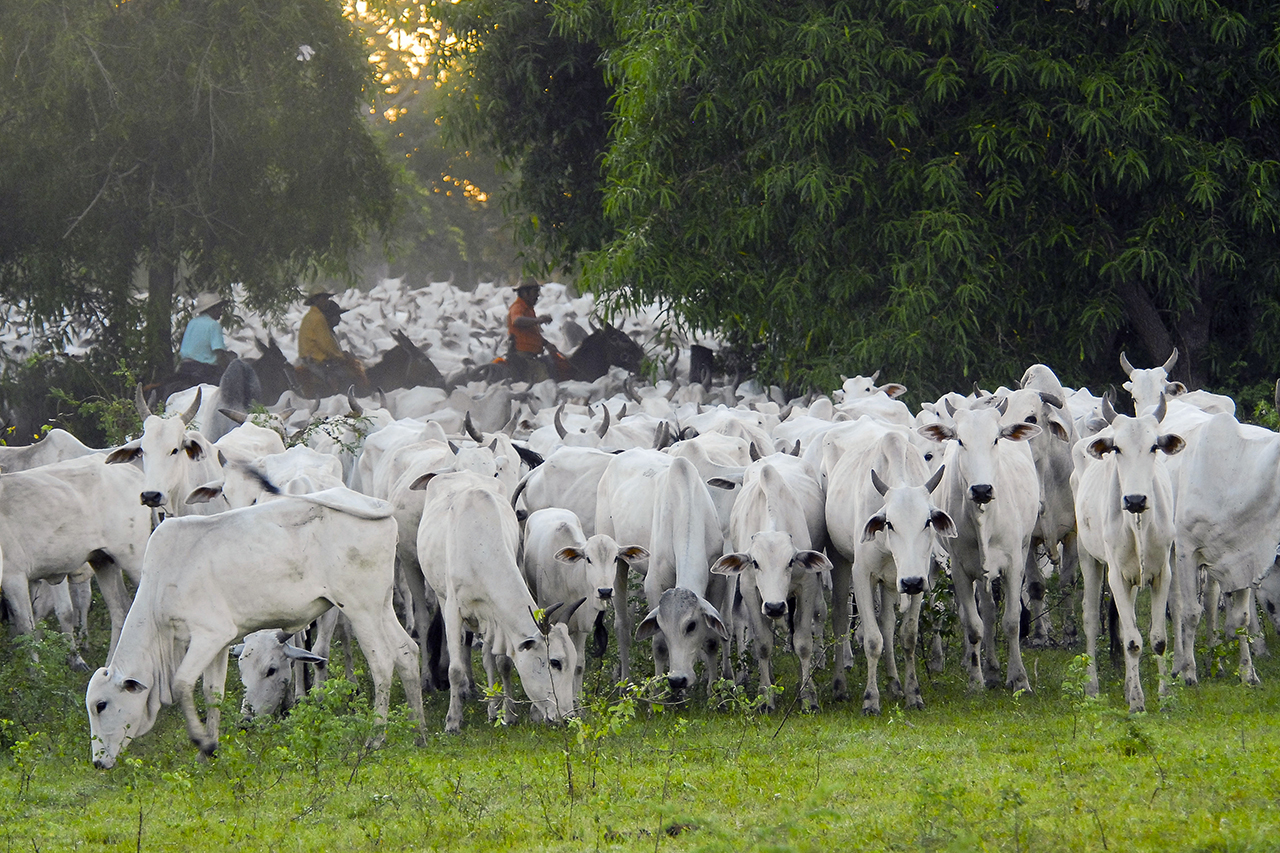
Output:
(205, 301)
(526, 282)
(318, 297)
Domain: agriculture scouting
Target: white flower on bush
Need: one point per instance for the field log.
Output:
(305, 52)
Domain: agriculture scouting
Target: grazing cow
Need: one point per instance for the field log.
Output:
(56, 518)
(991, 493)
(309, 553)
(1124, 508)
(467, 546)
(775, 564)
(562, 564)
(880, 516)
(266, 660)
(1227, 522)
(174, 459)
(684, 540)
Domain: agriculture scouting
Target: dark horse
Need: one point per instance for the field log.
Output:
(605, 347)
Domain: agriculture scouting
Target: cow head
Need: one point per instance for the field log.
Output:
(598, 562)
(1146, 385)
(690, 628)
(977, 434)
(120, 708)
(546, 661)
(1134, 446)
(172, 457)
(266, 671)
(771, 561)
(907, 522)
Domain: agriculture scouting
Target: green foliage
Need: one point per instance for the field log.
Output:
(41, 698)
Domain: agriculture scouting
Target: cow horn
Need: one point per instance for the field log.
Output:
(1002, 406)
(233, 415)
(453, 448)
(559, 424)
(1162, 408)
(671, 392)
(785, 413)
(932, 482)
(951, 410)
(629, 388)
(568, 614)
(795, 451)
(544, 624)
(356, 408)
(1125, 365)
(189, 415)
(382, 398)
(604, 424)
(140, 404)
(1173, 359)
(471, 429)
(662, 435)
(878, 483)
(1108, 411)
(1277, 399)
(1052, 399)
(874, 377)
(755, 452)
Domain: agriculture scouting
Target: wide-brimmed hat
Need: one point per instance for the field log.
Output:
(205, 301)
(318, 297)
(527, 281)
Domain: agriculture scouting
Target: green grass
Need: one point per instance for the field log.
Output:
(987, 771)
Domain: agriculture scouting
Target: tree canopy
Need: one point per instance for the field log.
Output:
(219, 142)
(946, 190)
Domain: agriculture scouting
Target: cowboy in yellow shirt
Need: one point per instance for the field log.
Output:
(323, 366)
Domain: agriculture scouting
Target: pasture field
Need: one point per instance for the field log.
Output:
(1048, 771)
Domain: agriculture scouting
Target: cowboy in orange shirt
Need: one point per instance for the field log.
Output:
(524, 327)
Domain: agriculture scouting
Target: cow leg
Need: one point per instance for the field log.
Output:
(888, 615)
(111, 585)
(1124, 594)
(1068, 570)
(970, 626)
(1212, 615)
(214, 684)
(1017, 679)
(990, 661)
(579, 640)
(500, 666)
(324, 628)
(1186, 613)
(64, 611)
(422, 618)
(1159, 637)
(806, 598)
(909, 635)
(1237, 619)
(1034, 581)
(872, 640)
(841, 580)
(1259, 640)
(622, 619)
(459, 665)
(1091, 572)
(17, 592)
(200, 660)
(388, 648)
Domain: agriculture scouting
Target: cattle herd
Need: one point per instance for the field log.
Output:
(518, 516)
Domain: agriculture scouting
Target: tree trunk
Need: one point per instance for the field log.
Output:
(158, 335)
(1145, 319)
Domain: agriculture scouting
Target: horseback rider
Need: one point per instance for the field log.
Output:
(524, 332)
(324, 367)
(204, 354)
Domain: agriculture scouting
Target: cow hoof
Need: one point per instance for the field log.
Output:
(77, 663)
(895, 688)
(1020, 685)
(915, 703)
(871, 710)
(207, 748)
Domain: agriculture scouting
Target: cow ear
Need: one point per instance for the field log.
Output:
(893, 389)
(648, 626)
(527, 643)
(204, 494)
(133, 685)
(422, 482)
(1171, 444)
(1173, 389)
(812, 561)
(942, 524)
(125, 452)
(731, 564)
(1100, 447)
(194, 449)
(873, 526)
(711, 618)
(1020, 431)
(302, 655)
(937, 432)
(236, 650)
(570, 555)
(634, 552)
(1058, 429)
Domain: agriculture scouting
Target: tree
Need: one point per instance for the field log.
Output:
(207, 143)
(947, 190)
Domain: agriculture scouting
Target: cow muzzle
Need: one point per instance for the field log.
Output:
(911, 586)
(605, 593)
(677, 682)
(151, 498)
(1135, 503)
(982, 494)
(774, 609)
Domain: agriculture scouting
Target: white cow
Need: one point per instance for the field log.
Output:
(55, 518)
(991, 493)
(266, 668)
(881, 517)
(174, 460)
(774, 562)
(1228, 523)
(1124, 508)
(568, 478)
(561, 563)
(199, 593)
(467, 550)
